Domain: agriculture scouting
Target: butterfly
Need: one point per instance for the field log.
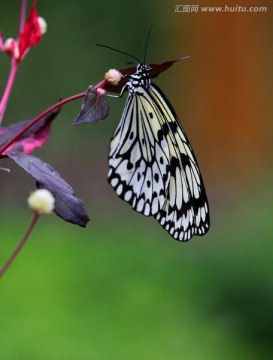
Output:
(151, 162)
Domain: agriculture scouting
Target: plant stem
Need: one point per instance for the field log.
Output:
(22, 15)
(44, 113)
(21, 244)
(39, 117)
(5, 98)
(101, 84)
(14, 64)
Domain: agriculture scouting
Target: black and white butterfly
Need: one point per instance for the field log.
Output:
(152, 164)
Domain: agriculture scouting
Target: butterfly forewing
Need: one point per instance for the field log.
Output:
(138, 159)
(152, 164)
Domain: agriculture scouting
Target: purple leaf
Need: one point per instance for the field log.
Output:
(67, 206)
(94, 108)
(34, 137)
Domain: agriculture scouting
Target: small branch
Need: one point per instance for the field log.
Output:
(39, 117)
(5, 98)
(22, 15)
(44, 113)
(101, 84)
(21, 244)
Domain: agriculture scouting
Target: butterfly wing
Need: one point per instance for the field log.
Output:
(153, 167)
(139, 156)
(185, 212)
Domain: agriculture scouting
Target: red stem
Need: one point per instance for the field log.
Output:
(22, 15)
(101, 84)
(14, 64)
(44, 113)
(5, 98)
(34, 121)
(21, 244)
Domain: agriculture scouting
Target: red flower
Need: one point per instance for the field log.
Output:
(30, 36)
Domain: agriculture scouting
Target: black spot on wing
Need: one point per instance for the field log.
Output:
(173, 126)
(185, 160)
(129, 166)
(163, 132)
(174, 164)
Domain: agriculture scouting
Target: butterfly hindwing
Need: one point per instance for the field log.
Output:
(152, 164)
(185, 212)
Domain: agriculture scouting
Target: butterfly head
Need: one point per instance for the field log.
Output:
(139, 78)
(143, 69)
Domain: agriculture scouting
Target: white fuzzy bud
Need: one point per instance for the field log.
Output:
(9, 44)
(113, 76)
(11, 47)
(42, 24)
(41, 201)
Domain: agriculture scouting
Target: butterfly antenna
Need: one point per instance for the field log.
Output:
(146, 45)
(119, 51)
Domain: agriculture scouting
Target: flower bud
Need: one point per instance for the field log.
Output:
(101, 91)
(113, 76)
(41, 201)
(11, 47)
(42, 24)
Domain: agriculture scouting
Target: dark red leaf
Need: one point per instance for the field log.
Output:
(156, 70)
(34, 137)
(94, 108)
(67, 206)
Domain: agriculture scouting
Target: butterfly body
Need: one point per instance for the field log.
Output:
(152, 165)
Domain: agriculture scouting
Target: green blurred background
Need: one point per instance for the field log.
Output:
(122, 288)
